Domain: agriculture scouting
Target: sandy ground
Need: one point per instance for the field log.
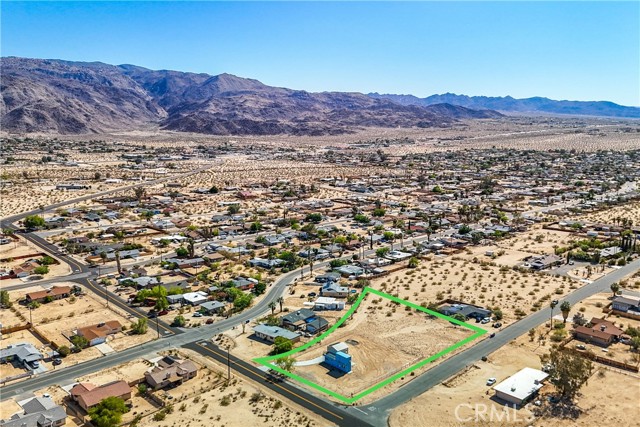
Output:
(477, 283)
(629, 211)
(385, 339)
(62, 316)
(454, 402)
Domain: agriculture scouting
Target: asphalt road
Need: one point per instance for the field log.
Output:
(375, 413)
(460, 361)
(331, 412)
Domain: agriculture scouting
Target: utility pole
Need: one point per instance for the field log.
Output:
(30, 319)
(158, 326)
(228, 364)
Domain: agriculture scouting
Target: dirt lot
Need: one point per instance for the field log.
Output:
(384, 338)
(461, 394)
(478, 283)
(62, 316)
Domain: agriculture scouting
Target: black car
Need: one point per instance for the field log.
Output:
(57, 361)
(497, 325)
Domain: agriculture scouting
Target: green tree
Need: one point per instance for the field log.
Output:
(64, 350)
(179, 321)
(256, 226)
(214, 190)
(5, 299)
(140, 327)
(413, 262)
(497, 314)
(33, 222)
(233, 209)
(464, 229)
(272, 306)
(287, 363)
(569, 371)
(314, 217)
(79, 342)
(635, 343)
(381, 252)
(43, 269)
(565, 308)
(379, 212)
(281, 345)
(182, 252)
(108, 413)
(615, 288)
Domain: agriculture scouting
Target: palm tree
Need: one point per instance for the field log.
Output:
(553, 305)
(615, 287)
(565, 307)
(272, 306)
(280, 301)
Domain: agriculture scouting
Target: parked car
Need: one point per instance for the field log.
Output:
(209, 321)
(56, 361)
(197, 314)
(497, 325)
(581, 347)
(491, 381)
(485, 320)
(163, 312)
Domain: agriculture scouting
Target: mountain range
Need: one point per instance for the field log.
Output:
(65, 97)
(508, 104)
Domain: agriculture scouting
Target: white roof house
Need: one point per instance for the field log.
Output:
(195, 298)
(520, 386)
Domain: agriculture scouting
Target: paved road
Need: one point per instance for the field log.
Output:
(375, 413)
(331, 412)
(472, 355)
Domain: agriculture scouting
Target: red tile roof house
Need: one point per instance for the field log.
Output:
(56, 292)
(25, 269)
(601, 332)
(88, 395)
(97, 334)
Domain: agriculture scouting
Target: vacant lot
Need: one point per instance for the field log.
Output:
(460, 394)
(478, 282)
(59, 318)
(384, 338)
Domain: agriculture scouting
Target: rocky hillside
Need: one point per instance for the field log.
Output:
(64, 97)
(508, 104)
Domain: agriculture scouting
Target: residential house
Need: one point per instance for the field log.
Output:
(328, 303)
(54, 293)
(270, 333)
(338, 357)
(350, 270)
(327, 277)
(244, 283)
(98, 333)
(23, 353)
(195, 298)
(466, 310)
(87, 395)
(304, 320)
(37, 412)
(265, 263)
(332, 289)
(212, 307)
(627, 303)
(598, 331)
(169, 372)
(521, 387)
(544, 262)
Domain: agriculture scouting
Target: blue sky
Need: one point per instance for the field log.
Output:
(561, 50)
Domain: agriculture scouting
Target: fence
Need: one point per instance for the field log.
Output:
(15, 328)
(599, 359)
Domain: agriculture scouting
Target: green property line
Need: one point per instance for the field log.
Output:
(266, 361)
